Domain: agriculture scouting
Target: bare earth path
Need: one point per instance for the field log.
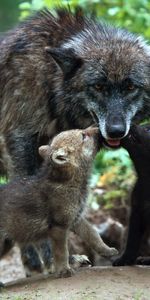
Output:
(102, 283)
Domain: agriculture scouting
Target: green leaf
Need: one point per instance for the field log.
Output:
(25, 6)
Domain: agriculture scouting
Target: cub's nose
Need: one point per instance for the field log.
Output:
(116, 131)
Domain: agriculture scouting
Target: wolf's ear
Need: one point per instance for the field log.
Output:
(44, 151)
(68, 61)
(60, 157)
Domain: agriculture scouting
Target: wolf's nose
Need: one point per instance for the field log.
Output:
(116, 131)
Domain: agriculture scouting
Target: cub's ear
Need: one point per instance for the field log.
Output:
(44, 151)
(60, 157)
(67, 60)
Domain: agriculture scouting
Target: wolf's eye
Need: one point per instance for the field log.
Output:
(131, 87)
(99, 87)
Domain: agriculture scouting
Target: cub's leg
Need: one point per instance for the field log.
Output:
(59, 239)
(90, 236)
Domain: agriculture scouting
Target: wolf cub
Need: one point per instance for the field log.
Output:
(51, 203)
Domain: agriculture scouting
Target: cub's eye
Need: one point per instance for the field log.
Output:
(99, 87)
(84, 136)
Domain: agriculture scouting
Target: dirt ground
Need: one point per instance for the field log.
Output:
(102, 283)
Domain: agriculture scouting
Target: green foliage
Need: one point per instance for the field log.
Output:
(108, 199)
(113, 175)
(3, 180)
(119, 158)
(9, 13)
(131, 14)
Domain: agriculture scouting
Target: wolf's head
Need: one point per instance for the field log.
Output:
(106, 79)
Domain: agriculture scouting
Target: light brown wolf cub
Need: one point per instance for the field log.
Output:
(51, 203)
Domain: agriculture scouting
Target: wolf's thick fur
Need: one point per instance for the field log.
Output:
(94, 72)
(66, 72)
(52, 202)
(138, 146)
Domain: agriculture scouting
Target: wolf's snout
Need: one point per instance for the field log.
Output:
(116, 131)
(115, 128)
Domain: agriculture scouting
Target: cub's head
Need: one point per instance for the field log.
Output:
(72, 150)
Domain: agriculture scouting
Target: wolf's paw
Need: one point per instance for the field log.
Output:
(123, 261)
(145, 261)
(66, 272)
(77, 260)
(36, 258)
(2, 285)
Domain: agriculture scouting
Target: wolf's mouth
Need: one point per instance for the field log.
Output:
(111, 143)
(108, 143)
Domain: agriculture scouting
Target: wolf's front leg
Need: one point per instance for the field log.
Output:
(23, 153)
(136, 230)
(91, 237)
(59, 238)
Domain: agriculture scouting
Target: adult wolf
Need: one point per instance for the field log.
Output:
(137, 143)
(66, 72)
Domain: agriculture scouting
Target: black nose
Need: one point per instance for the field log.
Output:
(116, 128)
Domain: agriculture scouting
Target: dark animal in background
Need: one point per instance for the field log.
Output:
(52, 202)
(137, 143)
(65, 72)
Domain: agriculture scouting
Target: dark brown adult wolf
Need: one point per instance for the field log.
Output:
(65, 71)
(137, 143)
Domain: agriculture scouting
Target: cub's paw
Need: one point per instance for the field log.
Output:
(123, 261)
(66, 272)
(110, 252)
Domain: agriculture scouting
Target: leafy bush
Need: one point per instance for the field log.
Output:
(112, 178)
(132, 14)
(3, 180)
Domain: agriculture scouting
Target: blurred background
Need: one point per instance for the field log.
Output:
(132, 14)
(113, 174)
